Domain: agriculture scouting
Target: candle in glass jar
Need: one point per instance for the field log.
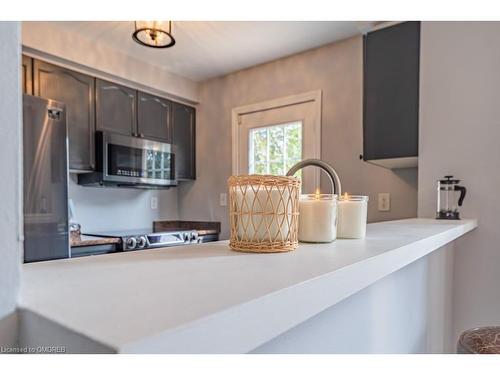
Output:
(352, 216)
(256, 222)
(317, 217)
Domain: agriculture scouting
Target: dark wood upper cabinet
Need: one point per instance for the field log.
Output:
(184, 140)
(153, 114)
(391, 95)
(95, 104)
(27, 74)
(77, 91)
(116, 108)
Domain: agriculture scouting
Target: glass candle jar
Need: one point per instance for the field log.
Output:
(352, 216)
(317, 217)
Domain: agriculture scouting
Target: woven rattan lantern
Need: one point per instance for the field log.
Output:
(264, 213)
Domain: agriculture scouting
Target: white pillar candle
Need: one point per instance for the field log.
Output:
(317, 217)
(352, 216)
(257, 221)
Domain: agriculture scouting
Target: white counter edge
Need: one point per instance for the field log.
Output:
(245, 327)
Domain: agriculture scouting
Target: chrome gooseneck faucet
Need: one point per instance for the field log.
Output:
(334, 177)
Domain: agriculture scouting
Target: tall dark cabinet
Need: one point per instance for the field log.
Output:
(76, 90)
(116, 108)
(391, 95)
(184, 139)
(153, 117)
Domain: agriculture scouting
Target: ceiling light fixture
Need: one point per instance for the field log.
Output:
(155, 34)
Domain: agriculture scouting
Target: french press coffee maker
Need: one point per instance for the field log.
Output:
(447, 201)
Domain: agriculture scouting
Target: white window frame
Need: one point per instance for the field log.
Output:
(311, 133)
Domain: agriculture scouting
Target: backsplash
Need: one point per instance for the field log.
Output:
(102, 209)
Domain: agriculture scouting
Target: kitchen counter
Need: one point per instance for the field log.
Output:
(202, 227)
(208, 299)
(84, 240)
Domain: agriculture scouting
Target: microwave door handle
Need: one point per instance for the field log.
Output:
(145, 161)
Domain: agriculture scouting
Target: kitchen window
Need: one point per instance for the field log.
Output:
(270, 137)
(275, 149)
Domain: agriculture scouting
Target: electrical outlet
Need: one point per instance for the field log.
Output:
(223, 199)
(154, 203)
(384, 201)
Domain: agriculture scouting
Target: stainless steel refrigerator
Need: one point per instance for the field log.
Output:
(45, 155)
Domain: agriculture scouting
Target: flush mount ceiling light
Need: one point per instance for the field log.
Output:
(155, 34)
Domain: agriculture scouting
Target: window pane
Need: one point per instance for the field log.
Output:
(293, 136)
(257, 151)
(276, 168)
(275, 149)
(290, 163)
(260, 145)
(276, 143)
(260, 168)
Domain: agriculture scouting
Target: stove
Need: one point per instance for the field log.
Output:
(147, 239)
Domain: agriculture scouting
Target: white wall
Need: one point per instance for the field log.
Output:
(405, 312)
(10, 155)
(336, 69)
(101, 209)
(460, 135)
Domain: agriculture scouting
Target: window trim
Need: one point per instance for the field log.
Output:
(312, 130)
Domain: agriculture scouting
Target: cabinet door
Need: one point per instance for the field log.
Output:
(391, 92)
(27, 74)
(154, 117)
(76, 90)
(184, 139)
(115, 108)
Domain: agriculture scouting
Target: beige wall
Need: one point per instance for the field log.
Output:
(336, 69)
(459, 135)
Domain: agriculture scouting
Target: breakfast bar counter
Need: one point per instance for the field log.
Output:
(206, 298)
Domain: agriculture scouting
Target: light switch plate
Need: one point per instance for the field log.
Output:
(223, 199)
(154, 203)
(384, 201)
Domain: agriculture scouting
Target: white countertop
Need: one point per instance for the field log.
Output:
(208, 299)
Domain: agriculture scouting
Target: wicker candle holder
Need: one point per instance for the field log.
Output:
(264, 213)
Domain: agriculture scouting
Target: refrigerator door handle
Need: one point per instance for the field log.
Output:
(54, 113)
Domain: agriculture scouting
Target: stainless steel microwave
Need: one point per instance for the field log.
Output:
(126, 161)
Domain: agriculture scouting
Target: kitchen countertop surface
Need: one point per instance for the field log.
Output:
(206, 298)
(84, 240)
(202, 227)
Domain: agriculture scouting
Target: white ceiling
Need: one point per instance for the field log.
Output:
(210, 49)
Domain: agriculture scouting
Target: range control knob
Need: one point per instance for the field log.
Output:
(130, 243)
(194, 237)
(186, 237)
(141, 242)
